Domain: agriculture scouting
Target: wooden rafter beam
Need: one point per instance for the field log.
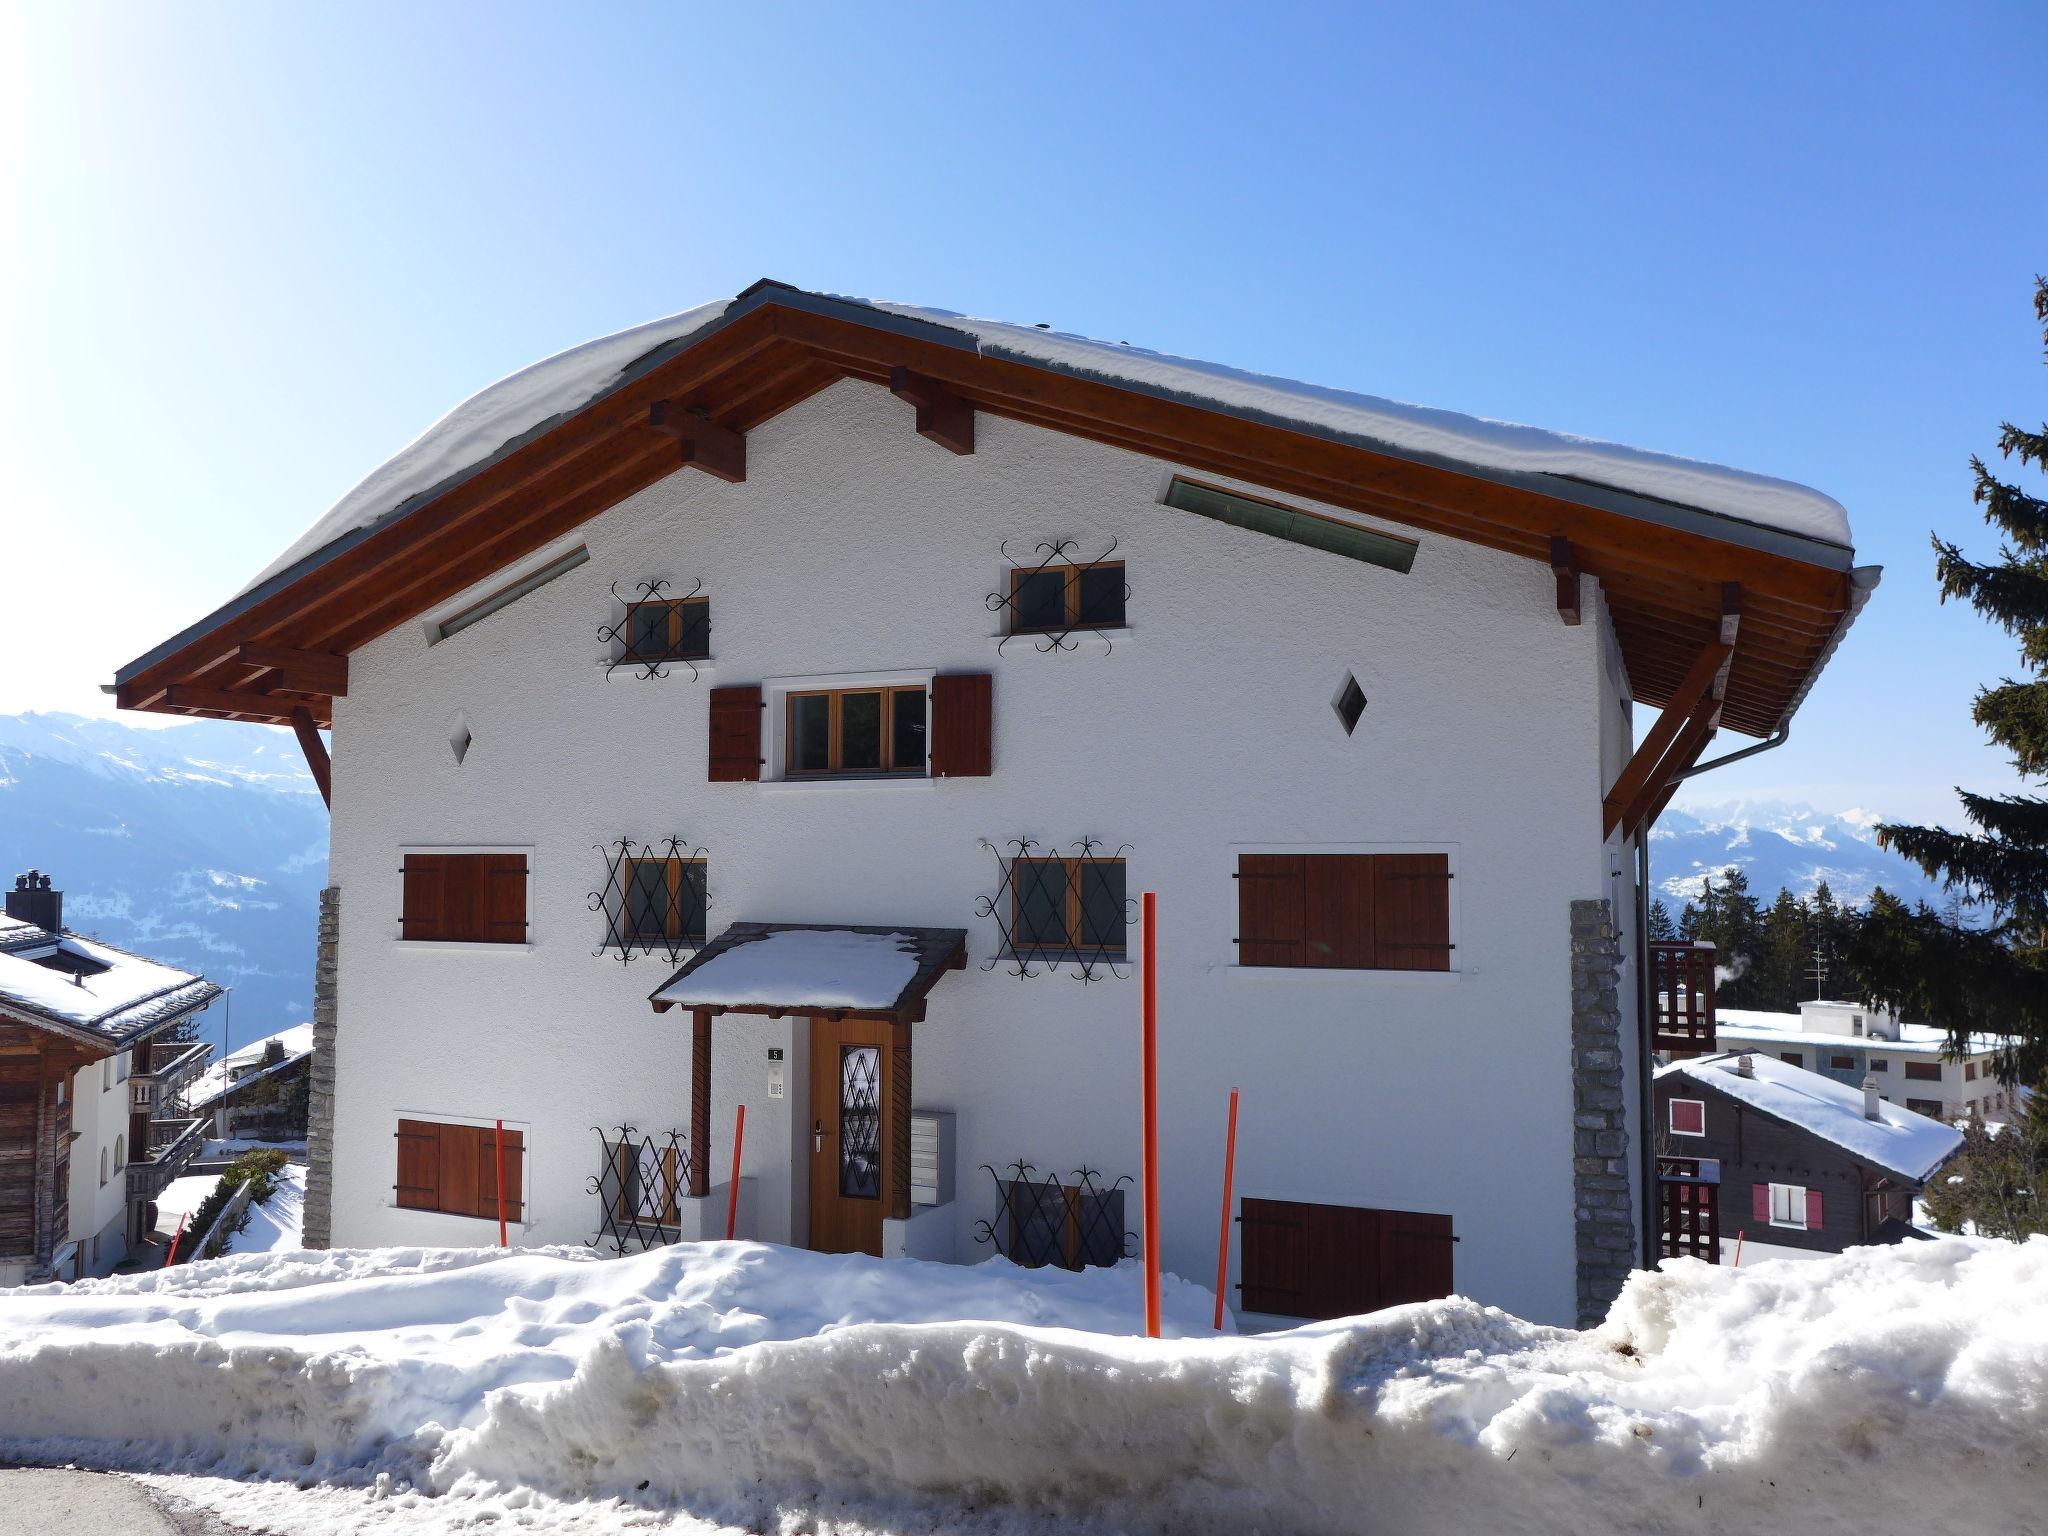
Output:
(316, 752)
(315, 672)
(1683, 752)
(942, 416)
(1651, 770)
(191, 699)
(1565, 566)
(716, 450)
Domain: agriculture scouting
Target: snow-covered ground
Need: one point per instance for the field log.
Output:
(274, 1224)
(1890, 1389)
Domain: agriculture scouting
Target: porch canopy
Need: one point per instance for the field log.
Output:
(831, 969)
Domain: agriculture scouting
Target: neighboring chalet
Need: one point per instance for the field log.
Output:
(92, 1117)
(259, 1091)
(848, 670)
(1912, 1063)
(1783, 1158)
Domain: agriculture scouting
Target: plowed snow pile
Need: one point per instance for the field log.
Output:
(1886, 1390)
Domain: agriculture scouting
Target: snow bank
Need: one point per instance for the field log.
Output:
(1890, 1389)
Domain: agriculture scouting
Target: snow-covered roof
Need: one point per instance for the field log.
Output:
(1899, 1140)
(793, 966)
(516, 406)
(89, 989)
(235, 1069)
(1783, 1029)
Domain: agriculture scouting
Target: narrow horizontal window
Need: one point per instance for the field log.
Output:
(668, 631)
(856, 732)
(1050, 599)
(1068, 906)
(505, 597)
(1296, 526)
(665, 900)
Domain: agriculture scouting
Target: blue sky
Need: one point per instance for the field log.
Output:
(254, 250)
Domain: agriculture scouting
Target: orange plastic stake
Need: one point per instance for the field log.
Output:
(177, 1237)
(1148, 1076)
(1223, 1236)
(732, 1199)
(1738, 1251)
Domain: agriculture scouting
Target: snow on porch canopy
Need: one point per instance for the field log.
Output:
(778, 968)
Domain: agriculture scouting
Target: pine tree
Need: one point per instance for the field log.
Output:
(1662, 929)
(1990, 977)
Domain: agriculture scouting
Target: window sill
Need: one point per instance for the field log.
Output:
(1064, 957)
(852, 781)
(464, 947)
(636, 671)
(1334, 975)
(512, 1228)
(1792, 1226)
(1030, 641)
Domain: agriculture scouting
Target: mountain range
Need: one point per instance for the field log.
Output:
(1778, 845)
(203, 845)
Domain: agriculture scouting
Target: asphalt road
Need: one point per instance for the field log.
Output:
(37, 1501)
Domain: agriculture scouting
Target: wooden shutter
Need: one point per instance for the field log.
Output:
(1760, 1202)
(1415, 1257)
(422, 911)
(1271, 909)
(419, 1165)
(1274, 1258)
(1814, 1219)
(486, 1164)
(1338, 898)
(1412, 911)
(963, 725)
(736, 734)
(504, 898)
(1304, 1259)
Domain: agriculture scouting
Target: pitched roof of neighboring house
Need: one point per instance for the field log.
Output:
(221, 1076)
(1899, 1141)
(90, 991)
(1783, 1029)
(798, 967)
(530, 458)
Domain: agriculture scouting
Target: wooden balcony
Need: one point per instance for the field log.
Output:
(172, 1146)
(1682, 998)
(162, 1071)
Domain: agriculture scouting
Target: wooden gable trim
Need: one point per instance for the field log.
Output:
(1566, 569)
(942, 416)
(1689, 720)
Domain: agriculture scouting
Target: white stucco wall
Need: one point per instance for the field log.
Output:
(856, 547)
(100, 1115)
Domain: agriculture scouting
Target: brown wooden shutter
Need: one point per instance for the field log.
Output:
(425, 878)
(1274, 1258)
(1412, 911)
(1415, 1252)
(1302, 1259)
(1338, 903)
(458, 1171)
(486, 1199)
(736, 734)
(1271, 909)
(504, 898)
(963, 725)
(419, 1165)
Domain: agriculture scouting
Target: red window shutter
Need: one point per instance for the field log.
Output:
(963, 725)
(462, 898)
(1274, 1258)
(1412, 911)
(1338, 898)
(1415, 1258)
(425, 882)
(1760, 1202)
(736, 734)
(1272, 897)
(419, 1165)
(1689, 1117)
(504, 898)
(1813, 1211)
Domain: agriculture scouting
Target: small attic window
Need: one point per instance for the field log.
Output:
(1350, 704)
(70, 962)
(505, 597)
(1292, 524)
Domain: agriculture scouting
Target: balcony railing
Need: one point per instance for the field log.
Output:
(172, 1146)
(162, 1071)
(1682, 998)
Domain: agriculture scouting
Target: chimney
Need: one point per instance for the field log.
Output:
(1870, 1098)
(1744, 1067)
(32, 901)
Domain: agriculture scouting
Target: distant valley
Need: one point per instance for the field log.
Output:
(1778, 845)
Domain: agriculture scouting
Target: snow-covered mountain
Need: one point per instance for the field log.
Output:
(1778, 845)
(203, 845)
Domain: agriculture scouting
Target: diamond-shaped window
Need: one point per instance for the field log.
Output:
(1350, 704)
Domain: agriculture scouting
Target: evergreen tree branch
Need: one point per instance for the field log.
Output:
(2015, 715)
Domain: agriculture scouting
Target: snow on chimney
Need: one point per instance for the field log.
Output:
(33, 901)
(1744, 1067)
(1870, 1098)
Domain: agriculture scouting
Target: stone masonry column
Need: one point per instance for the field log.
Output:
(1603, 1221)
(319, 1218)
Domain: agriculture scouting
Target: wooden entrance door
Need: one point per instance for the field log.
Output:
(854, 1127)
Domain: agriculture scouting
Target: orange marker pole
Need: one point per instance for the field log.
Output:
(1738, 1251)
(732, 1199)
(501, 1185)
(177, 1237)
(1148, 1076)
(1223, 1236)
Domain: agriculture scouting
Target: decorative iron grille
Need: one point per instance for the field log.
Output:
(655, 629)
(1060, 910)
(655, 899)
(1043, 1221)
(640, 1183)
(1091, 594)
(860, 1122)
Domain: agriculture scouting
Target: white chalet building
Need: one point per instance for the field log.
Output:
(783, 706)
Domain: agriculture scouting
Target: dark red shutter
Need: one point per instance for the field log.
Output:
(504, 898)
(1760, 1202)
(1415, 1257)
(1814, 1221)
(1339, 905)
(736, 734)
(1412, 911)
(963, 725)
(419, 1165)
(1271, 909)
(1274, 1258)
(1303, 1259)
(425, 876)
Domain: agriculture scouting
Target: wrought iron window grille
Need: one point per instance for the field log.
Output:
(640, 1185)
(1073, 1225)
(1027, 886)
(685, 625)
(1099, 606)
(655, 900)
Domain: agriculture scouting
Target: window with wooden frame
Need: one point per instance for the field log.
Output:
(1053, 599)
(1788, 1205)
(1345, 911)
(1879, 1064)
(1068, 906)
(464, 898)
(664, 900)
(1969, 1071)
(1688, 1117)
(454, 1169)
(1792, 1058)
(1842, 1063)
(856, 732)
(1931, 1108)
(1923, 1071)
(664, 629)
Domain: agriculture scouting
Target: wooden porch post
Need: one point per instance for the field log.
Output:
(898, 1121)
(700, 1103)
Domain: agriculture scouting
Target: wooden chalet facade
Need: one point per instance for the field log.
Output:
(939, 641)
